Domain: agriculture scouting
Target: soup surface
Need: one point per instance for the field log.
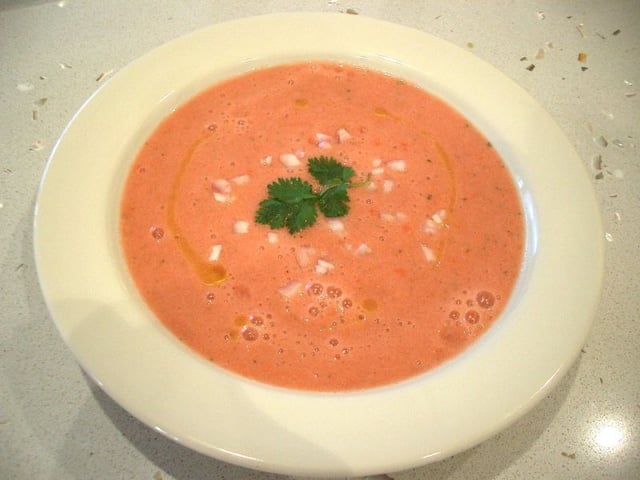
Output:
(421, 265)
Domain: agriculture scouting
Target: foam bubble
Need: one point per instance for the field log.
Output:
(472, 316)
(485, 299)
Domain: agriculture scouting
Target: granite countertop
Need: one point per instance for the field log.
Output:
(579, 59)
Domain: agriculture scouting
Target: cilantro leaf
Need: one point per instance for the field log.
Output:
(301, 216)
(290, 190)
(327, 170)
(293, 204)
(273, 213)
(333, 202)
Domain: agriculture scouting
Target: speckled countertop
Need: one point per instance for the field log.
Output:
(56, 424)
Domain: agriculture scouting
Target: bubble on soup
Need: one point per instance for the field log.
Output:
(485, 299)
(472, 316)
(250, 334)
(156, 232)
(334, 292)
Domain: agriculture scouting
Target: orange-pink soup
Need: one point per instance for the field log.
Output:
(420, 267)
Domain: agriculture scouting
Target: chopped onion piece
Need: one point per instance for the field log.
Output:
(272, 237)
(438, 217)
(387, 217)
(240, 179)
(326, 264)
(323, 140)
(335, 225)
(266, 160)
(290, 160)
(377, 171)
(221, 185)
(221, 197)
(290, 289)
(428, 253)
(322, 266)
(387, 185)
(376, 162)
(214, 256)
(363, 249)
(397, 165)
(430, 226)
(343, 135)
(241, 227)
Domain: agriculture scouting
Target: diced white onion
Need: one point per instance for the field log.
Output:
(335, 225)
(397, 165)
(266, 160)
(290, 289)
(376, 162)
(240, 179)
(241, 227)
(321, 270)
(428, 253)
(387, 185)
(363, 249)
(221, 185)
(324, 145)
(438, 217)
(323, 137)
(216, 250)
(377, 171)
(221, 197)
(322, 266)
(326, 264)
(272, 237)
(289, 160)
(343, 135)
(430, 226)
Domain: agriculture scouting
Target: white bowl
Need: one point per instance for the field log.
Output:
(145, 369)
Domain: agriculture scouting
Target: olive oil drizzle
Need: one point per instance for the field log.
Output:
(210, 273)
(444, 157)
(448, 164)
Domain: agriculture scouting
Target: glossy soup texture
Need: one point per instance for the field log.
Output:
(420, 267)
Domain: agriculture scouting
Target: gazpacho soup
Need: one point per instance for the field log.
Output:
(322, 226)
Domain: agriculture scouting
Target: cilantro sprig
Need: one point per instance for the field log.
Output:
(293, 204)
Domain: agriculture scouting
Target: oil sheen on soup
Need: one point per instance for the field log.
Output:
(417, 270)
